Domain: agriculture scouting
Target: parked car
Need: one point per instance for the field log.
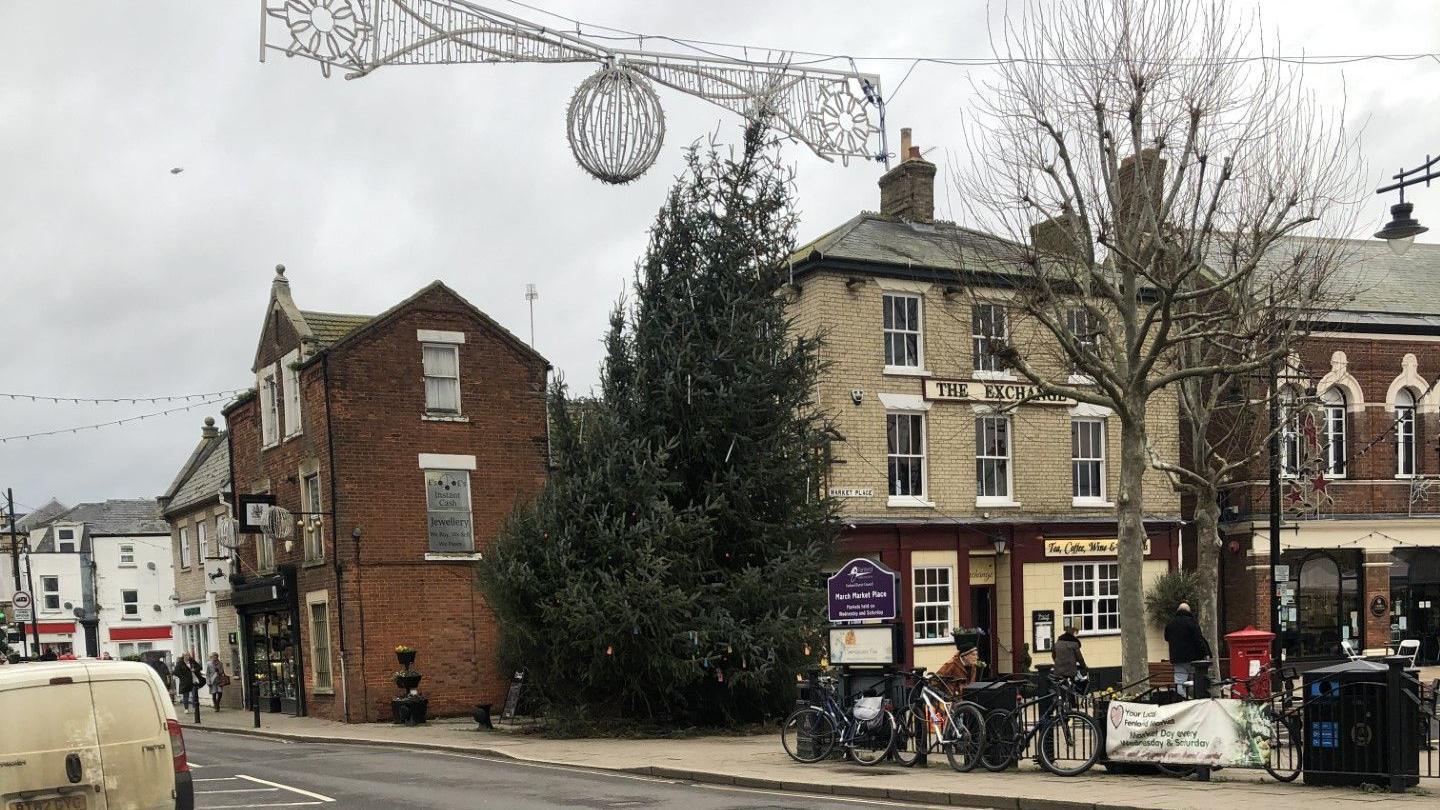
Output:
(90, 735)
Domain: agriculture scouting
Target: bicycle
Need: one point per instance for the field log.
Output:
(1285, 738)
(1068, 740)
(956, 727)
(811, 733)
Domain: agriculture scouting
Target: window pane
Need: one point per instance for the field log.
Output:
(440, 361)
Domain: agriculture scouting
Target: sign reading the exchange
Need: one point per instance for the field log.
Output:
(990, 391)
(862, 589)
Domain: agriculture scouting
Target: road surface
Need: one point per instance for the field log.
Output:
(233, 772)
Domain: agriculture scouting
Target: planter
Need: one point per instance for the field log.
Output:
(408, 681)
(410, 710)
(405, 658)
(482, 716)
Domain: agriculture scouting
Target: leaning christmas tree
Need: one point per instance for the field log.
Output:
(670, 570)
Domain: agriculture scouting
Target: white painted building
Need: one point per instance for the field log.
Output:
(103, 579)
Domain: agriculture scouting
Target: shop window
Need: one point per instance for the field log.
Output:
(1087, 460)
(932, 603)
(448, 505)
(130, 600)
(49, 593)
(1320, 604)
(1405, 434)
(992, 459)
(1333, 402)
(905, 454)
(442, 377)
(1092, 596)
(987, 336)
(902, 331)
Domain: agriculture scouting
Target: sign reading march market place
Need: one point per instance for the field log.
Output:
(1229, 733)
(990, 391)
(862, 589)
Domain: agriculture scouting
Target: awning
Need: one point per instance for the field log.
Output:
(139, 633)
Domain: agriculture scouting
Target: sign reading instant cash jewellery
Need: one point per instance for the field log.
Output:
(862, 589)
(1229, 733)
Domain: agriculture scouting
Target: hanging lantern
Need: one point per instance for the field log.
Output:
(615, 124)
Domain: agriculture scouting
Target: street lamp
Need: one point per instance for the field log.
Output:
(1401, 230)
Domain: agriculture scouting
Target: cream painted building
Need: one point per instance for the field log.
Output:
(994, 514)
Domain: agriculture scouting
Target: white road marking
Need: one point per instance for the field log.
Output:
(322, 797)
(195, 764)
(216, 779)
(281, 804)
(237, 790)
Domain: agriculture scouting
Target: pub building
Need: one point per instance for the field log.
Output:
(994, 514)
(1359, 566)
(396, 444)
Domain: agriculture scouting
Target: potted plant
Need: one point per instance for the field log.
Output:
(407, 679)
(405, 655)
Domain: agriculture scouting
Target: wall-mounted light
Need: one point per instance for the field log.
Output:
(1000, 542)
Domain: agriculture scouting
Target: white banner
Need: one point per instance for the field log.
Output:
(1230, 733)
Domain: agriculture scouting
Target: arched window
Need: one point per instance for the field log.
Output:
(1333, 401)
(1289, 431)
(1405, 433)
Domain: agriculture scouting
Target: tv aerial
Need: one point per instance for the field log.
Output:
(615, 123)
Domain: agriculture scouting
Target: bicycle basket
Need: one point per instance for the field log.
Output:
(867, 711)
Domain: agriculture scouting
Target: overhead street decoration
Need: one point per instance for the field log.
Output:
(615, 123)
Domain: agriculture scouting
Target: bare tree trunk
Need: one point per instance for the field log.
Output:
(1130, 519)
(1207, 562)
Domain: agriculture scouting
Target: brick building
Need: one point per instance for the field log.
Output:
(992, 517)
(400, 443)
(1360, 552)
(197, 507)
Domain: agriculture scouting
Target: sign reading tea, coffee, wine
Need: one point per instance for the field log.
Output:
(999, 392)
(1085, 547)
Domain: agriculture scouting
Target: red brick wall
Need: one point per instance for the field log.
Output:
(395, 596)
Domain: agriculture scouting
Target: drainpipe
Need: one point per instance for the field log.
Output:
(334, 536)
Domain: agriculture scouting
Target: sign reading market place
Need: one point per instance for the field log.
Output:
(862, 589)
(1004, 393)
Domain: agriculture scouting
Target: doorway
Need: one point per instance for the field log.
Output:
(982, 615)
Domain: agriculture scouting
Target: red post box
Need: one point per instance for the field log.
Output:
(1250, 656)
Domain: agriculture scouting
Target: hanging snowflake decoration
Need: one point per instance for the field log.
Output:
(615, 124)
(843, 120)
(331, 31)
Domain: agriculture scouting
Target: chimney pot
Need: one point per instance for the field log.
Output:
(905, 143)
(914, 153)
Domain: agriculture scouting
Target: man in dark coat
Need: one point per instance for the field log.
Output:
(1187, 645)
(1068, 658)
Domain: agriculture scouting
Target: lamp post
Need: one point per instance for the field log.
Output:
(1402, 228)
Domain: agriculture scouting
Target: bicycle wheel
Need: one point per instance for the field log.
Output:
(908, 728)
(966, 737)
(809, 734)
(872, 744)
(1287, 751)
(1002, 739)
(1069, 745)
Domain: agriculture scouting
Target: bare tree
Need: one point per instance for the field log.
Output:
(1151, 174)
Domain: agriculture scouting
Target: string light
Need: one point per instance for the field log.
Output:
(128, 419)
(127, 400)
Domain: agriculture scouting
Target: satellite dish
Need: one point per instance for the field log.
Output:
(225, 533)
(278, 522)
(150, 565)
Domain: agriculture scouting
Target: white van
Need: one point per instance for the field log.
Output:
(90, 735)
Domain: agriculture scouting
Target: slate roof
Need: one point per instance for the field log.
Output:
(117, 516)
(40, 516)
(330, 327)
(878, 239)
(1378, 281)
(208, 478)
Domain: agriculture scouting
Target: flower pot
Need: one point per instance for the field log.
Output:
(406, 658)
(408, 681)
(410, 710)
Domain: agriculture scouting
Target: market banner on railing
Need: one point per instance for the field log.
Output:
(1231, 733)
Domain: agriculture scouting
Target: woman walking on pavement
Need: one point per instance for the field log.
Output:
(187, 680)
(215, 674)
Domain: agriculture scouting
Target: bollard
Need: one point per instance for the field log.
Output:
(1200, 690)
(1395, 721)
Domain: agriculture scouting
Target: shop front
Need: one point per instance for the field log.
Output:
(270, 636)
(1415, 600)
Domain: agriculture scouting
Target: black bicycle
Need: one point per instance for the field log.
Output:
(934, 718)
(1067, 741)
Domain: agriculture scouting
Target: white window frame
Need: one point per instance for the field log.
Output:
(127, 555)
(321, 599)
(1335, 408)
(1084, 328)
(454, 349)
(984, 364)
(312, 505)
(269, 407)
(202, 543)
(982, 422)
(896, 334)
(130, 607)
(290, 378)
(892, 483)
(1405, 456)
(1096, 460)
(1096, 587)
(472, 553)
(925, 582)
(185, 547)
(47, 592)
(264, 553)
(65, 538)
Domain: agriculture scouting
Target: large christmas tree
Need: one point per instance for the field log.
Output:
(670, 570)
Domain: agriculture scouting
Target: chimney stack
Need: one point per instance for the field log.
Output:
(908, 190)
(1140, 177)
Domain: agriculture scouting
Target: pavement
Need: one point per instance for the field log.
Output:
(759, 762)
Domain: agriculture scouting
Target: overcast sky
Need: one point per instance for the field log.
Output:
(121, 279)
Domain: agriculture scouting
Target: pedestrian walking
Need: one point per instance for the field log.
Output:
(1069, 660)
(157, 663)
(186, 671)
(218, 678)
(1187, 645)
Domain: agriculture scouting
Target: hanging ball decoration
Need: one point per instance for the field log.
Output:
(615, 124)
